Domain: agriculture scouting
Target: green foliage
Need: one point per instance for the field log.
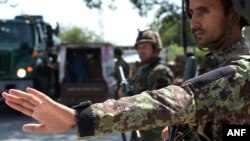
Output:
(168, 20)
(175, 50)
(172, 51)
(93, 3)
(99, 3)
(76, 34)
(144, 6)
(199, 53)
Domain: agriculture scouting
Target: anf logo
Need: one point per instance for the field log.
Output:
(236, 132)
(241, 132)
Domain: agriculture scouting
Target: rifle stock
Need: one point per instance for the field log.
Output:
(190, 72)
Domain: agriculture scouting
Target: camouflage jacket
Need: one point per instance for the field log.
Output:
(212, 130)
(152, 76)
(221, 95)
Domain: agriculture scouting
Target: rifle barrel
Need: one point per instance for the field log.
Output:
(190, 72)
(122, 73)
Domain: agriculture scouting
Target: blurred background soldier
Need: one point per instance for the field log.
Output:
(178, 69)
(125, 66)
(150, 75)
(78, 72)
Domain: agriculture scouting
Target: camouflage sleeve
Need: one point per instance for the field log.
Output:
(222, 94)
(147, 110)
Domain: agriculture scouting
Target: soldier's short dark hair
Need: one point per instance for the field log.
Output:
(118, 52)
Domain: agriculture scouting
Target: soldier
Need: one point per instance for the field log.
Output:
(125, 66)
(179, 67)
(222, 54)
(151, 75)
(221, 95)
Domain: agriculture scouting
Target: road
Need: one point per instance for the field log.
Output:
(11, 130)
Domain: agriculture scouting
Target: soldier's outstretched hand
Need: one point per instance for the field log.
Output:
(52, 117)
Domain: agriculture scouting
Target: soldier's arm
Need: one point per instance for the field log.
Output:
(222, 94)
(201, 99)
(147, 110)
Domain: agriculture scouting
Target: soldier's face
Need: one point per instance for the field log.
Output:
(208, 20)
(145, 51)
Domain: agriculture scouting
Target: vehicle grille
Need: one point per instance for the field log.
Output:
(4, 62)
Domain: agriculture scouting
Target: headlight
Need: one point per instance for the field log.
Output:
(21, 73)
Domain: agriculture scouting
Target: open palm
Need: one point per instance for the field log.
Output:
(53, 117)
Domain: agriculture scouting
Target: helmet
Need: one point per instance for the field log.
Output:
(242, 7)
(149, 35)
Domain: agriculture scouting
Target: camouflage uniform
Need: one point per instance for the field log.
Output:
(221, 95)
(212, 130)
(222, 59)
(152, 76)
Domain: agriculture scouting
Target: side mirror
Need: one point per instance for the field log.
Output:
(49, 42)
(57, 29)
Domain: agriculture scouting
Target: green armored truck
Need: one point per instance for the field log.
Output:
(25, 44)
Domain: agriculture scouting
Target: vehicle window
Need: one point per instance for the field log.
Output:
(83, 66)
(11, 33)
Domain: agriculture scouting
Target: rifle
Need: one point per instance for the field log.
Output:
(190, 72)
(126, 89)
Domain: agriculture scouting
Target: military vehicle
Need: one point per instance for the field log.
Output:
(25, 44)
(85, 73)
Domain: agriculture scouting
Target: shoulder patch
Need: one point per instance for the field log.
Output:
(211, 76)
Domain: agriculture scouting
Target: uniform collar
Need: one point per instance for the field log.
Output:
(239, 48)
(155, 60)
(215, 60)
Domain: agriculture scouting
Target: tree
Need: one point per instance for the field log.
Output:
(76, 34)
(3, 1)
(167, 18)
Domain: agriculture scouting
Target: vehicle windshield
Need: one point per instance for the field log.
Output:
(15, 34)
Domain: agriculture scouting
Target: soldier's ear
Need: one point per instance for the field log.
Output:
(233, 17)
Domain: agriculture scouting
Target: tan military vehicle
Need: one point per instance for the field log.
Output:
(85, 73)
